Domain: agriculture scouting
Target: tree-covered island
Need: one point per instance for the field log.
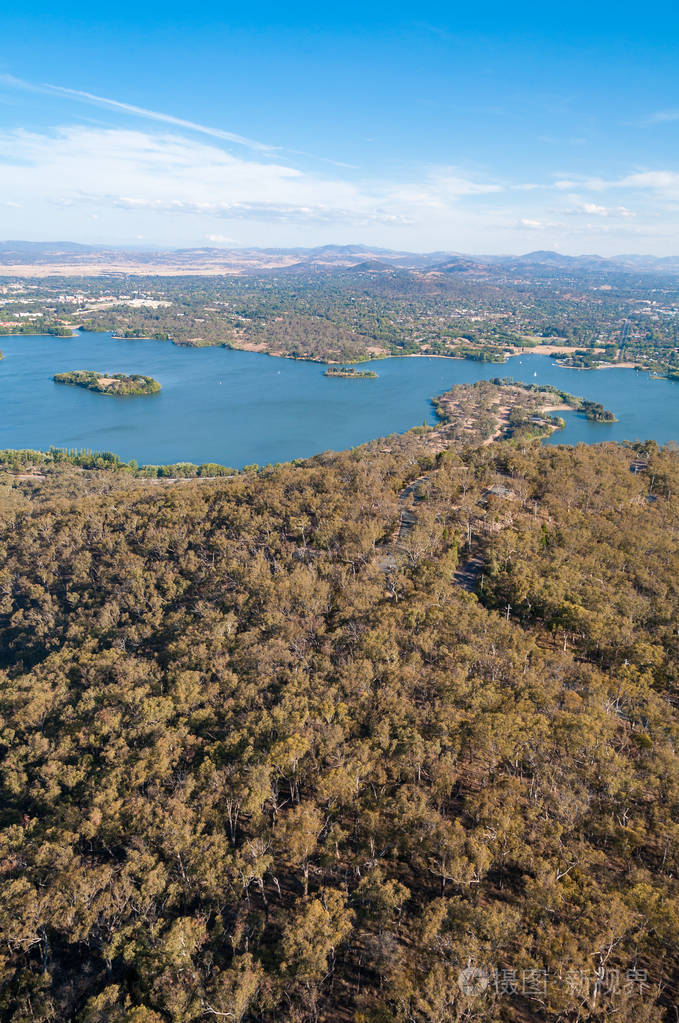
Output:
(119, 384)
(350, 373)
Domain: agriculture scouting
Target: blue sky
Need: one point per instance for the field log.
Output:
(476, 128)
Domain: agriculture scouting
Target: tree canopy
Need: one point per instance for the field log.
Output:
(251, 772)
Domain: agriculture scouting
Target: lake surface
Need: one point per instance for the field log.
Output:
(237, 408)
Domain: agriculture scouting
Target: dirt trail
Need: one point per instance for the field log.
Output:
(388, 560)
(468, 572)
(408, 518)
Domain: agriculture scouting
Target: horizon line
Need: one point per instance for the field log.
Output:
(158, 247)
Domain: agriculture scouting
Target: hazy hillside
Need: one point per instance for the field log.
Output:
(21, 258)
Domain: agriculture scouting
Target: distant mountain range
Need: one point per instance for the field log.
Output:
(22, 258)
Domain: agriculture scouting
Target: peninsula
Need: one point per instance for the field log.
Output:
(505, 409)
(119, 384)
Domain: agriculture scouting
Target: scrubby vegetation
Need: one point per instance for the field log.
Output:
(351, 373)
(584, 358)
(248, 774)
(119, 384)
(505, 409)
(593, 410)
(58, 462)
(39, 325)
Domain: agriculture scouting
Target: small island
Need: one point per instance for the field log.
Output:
(119, 384)
(349, 373)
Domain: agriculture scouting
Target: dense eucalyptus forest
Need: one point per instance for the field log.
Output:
(266, 754)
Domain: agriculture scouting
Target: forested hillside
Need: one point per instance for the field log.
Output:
(265, 758)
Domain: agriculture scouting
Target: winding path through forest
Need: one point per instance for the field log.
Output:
(387, 561)
(468, 572)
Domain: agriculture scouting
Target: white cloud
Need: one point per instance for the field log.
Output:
(593, 209)
(174, 189)
(531, 224)
(167, 175)
(664, 182)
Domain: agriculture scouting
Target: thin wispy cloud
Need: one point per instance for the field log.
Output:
(129, 108)
(662, 183)
(662, 116)
(265, 211)
(554, 140)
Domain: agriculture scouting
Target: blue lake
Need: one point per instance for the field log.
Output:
(237, 408)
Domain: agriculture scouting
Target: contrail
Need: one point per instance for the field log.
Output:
(129, 108)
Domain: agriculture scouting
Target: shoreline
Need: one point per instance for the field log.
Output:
(34, 333)
(118, 337)
(515, 354)
(258, 349)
